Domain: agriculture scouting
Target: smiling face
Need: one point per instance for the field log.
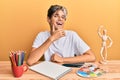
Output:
(57, 20)
(56, 17)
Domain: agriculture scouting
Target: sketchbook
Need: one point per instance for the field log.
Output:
(50, 69)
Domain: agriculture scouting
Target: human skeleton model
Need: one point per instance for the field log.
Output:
(104, 37)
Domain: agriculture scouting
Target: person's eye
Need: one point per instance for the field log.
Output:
(63, 17)
(55, 15)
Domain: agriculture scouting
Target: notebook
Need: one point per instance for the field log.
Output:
(50, 69)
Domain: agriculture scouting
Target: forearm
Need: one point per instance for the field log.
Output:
(36, 54)
(111, 42)
(83, 58)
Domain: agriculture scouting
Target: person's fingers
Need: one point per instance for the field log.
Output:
(63, 33)
(58, 34)
(53, 28)
(52, 58)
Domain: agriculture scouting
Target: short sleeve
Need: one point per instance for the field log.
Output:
(40, 38)
(80, 46)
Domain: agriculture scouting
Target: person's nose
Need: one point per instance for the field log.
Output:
(60, 18)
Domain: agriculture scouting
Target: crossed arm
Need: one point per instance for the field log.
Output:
(37, 53)
(86, 57)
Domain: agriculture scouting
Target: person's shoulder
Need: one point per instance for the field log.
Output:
(70, 32)
(43, 33)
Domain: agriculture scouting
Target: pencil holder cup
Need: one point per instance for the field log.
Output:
(19, 70)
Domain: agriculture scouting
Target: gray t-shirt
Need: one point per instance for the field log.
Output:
(66, 46)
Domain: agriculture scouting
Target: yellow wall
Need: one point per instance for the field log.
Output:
(21, 20)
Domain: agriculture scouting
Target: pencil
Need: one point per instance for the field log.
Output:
(19, 58)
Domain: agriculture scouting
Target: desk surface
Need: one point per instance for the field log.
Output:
(112, 68)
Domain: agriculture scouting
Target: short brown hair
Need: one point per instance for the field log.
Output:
(54, 8)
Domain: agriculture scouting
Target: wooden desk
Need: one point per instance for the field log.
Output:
(113, 68)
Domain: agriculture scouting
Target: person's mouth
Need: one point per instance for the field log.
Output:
(59, 23)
